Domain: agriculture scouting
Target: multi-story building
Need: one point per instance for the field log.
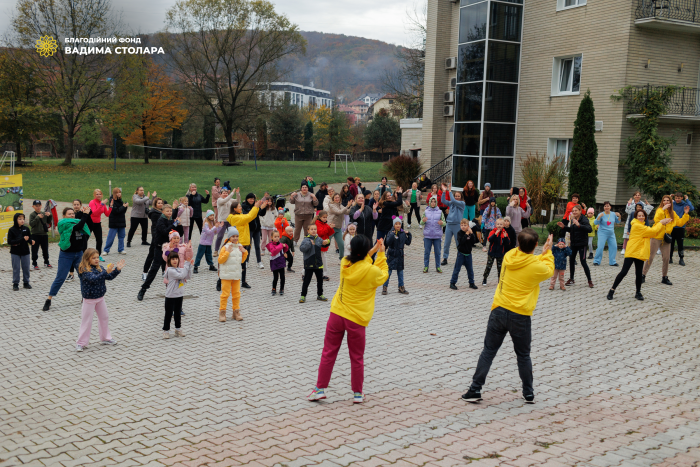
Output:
(370, 98)
(504, 79)
(387, 103)
(299, 95)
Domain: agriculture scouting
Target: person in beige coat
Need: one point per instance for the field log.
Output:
(336, 215)
(304, 209)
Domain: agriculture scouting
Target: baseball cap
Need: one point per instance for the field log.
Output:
(36, 203)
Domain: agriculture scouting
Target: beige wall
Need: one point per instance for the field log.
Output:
(410, 136)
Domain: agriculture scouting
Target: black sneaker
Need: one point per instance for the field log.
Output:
(140, 295)
(274, 292)
(596, 264)
(670, 261)
(639, 296)
(452, 286)
(245, 285)
(681, 262)
(15, 287)
(212, 268)
(610, 294)
(529, 399)
(473, 286)
(590, 255)
(664, 280)
(128, 244)
(145, 243)
(472, 396)
(444, 262)
(47, 305)
(27, 286)
(290, 270)
(281, 293)
(644, 278)
(195, 270)
(218, 285)
(326, 278)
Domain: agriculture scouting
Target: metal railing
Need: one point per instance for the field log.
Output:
(681, 10)
(682, 102)
(439, 172)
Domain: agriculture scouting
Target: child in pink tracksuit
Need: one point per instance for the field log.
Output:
(92, 287)
(184, 212)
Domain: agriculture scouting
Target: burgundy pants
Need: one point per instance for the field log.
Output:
(336, 328)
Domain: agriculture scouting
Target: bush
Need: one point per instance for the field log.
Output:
(545, 179)
(402, 169)
(501, 203)
(554, 229)
(692, 228)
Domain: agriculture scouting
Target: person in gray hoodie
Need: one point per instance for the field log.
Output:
(138, 216)
(454, 217)
(175, 277)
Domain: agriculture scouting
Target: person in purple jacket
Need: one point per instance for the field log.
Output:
(432, 223)
(211, 227)
(278, 260)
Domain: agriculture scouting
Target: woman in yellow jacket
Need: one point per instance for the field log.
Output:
(351, 311)
(240, 221)
(665, 211)
(637, 251)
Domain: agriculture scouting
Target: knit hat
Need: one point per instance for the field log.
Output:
(173, 234)
(561, 240)
(280, 211)
(492, 199)
(590, 211)
(230, 232)
(487, 185)
(208, 213)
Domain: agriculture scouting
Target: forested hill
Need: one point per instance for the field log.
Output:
(348, 66)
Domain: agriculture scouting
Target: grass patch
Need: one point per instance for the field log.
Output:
(171, 178)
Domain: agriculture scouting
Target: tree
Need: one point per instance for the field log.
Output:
(383, 132)
(309, 139)
(648, 162)
(285, 126)
(261, 137)
(22, 102)
(583, 161)
(76, 84)
(333, 131)
(209, 135)
(222, 50)
(160, 110)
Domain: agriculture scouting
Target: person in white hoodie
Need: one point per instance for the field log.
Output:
(223, 205)
(231, 257)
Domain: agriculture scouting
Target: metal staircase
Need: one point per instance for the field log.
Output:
(440, 172)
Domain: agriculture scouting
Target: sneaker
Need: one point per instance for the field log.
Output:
(179, 333)
(639, 296)
(321, 298)
(444, 262)
(425, 269)
(79, 348)
(484, 249)
(182, 313)
(145, 243)
(15, 287)
(212, 268)
(47, 305)
(529, 399)
(122, 252)
(281, 293)
(47, 265)
(70, 278)
(615, 265)
(438, 270)
(472, 396)
(622, 252)
(384, 290)
(452, 286)
(326, 278)
(610, 294)
(144, 276)
(128, 244)
(35, 267)
(27, 286)
(408, 226)
(337, 251)
(102, 260)
(473, 286)
(195, 270)
(570, 282)
(483, 283)
(596, 264)
(316, 395)
(245, 285)
(302, 299)
(358, 397)
(290, 270)
(109, 342)
(106, 253)
(664, 280)
(166, 335)
(419, 225)
(590, 255)
(140, 295)
(658, 252)
(260, 265)
(274, 292)
(644, 278)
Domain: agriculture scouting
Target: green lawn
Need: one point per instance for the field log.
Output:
(47, 179)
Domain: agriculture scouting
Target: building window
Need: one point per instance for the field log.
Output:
(560, 147)
(472, 22)
(566, 4)
(470, 62)
(566, 76)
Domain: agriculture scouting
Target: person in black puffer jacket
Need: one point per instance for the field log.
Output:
(195, 200)
(579, 228)
(396, 241)
(19, 238)
(254, 226)
(153, 214)
(117, 221)
(165, 224)
(388, 209)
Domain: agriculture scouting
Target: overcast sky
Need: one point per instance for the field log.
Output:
(383, 20)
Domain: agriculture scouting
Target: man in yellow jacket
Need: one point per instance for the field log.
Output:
(240, 221)
(515, 299)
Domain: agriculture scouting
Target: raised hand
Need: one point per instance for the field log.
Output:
(258, 203)
(126, 205)
(241, 248)
(665, 220)
(149, 194)
(560, 225)
(687, 208)
(632, 201)
(548, 244)
(120, 265)
(206, 191)
(111, 202)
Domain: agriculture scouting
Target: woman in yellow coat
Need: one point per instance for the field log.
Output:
(637, 251)
(665, 211)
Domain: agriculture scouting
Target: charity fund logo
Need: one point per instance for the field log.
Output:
(46, 46)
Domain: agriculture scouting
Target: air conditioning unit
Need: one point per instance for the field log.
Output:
(453, 83)
(450, 63)
(448, 111)
(449, 97)
(599, 125)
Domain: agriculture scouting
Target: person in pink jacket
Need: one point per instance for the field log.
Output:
(97, 208)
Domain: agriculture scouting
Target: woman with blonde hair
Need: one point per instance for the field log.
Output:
(515, 211)
(662, 240)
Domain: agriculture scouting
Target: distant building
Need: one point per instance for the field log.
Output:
(370, 98)
(387, 102)
(299, 95)
(350, 112)
(359, 108)
(411, 136)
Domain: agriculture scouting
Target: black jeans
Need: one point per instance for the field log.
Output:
(416, 209)
(198, 221)
(278, 274)
(153, 270)
(135, 223)
(290, 260)
(502, 322)
(149, 256)
(245, 264)
(677, 235)
(173, 307)
(626, 265)
(255, 238)
(97, 232)
(582, 256)
(308, 275)
(43, 242)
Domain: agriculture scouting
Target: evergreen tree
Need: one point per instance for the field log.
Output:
(583, 162)
(383, 132)
(286, 127)
(309, 140)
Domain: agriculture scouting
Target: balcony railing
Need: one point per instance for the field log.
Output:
(680, 10)
(684, 102)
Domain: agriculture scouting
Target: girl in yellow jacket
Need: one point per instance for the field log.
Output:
(351, 311)
(240, 221)
(637, 251)
(665, 211)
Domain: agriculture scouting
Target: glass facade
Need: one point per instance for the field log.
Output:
(486, 96)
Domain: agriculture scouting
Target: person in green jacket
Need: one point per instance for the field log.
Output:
(38, 226)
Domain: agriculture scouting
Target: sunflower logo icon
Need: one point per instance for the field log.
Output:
(46, 46)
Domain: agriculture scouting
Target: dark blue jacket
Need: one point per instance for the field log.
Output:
(560, 255)
(679, 208)
(92, 283)
(394, 248)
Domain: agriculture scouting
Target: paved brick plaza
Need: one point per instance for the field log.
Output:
(617, 383)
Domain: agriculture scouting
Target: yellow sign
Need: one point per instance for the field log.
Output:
(46, 46)
(11, 199)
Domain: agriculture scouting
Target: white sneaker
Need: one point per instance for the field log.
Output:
(144, 276)
(623, 252)
(484, 283)
(109, 342)
(260, 265)
(105, 253)
(658, 252)
(166, 335)
(70, 278)
(79, 348)
(122, 252)
(420, 225)
(408, 226)
(358, 398)
(317, 395)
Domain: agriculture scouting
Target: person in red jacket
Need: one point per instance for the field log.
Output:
(325, 231)
(97, 208)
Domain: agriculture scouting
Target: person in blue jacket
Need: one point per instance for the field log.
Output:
(454, 217)
(606, 222)
(678, 233)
